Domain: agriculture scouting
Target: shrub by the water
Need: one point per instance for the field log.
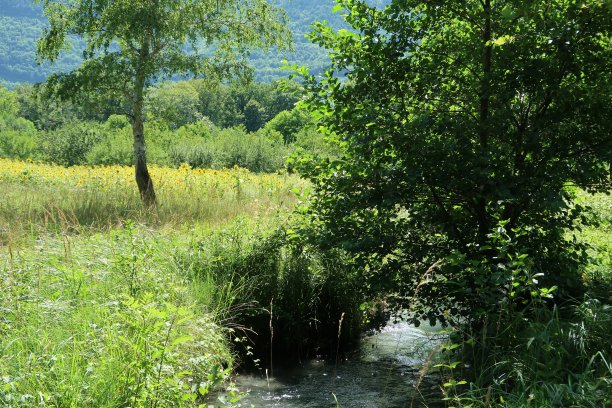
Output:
(543, 357)
(292, 297)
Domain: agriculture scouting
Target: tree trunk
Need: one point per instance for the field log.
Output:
(143, 179)
(485, 89)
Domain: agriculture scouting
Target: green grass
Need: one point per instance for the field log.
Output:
(100, 311)
(104, 304)
(41, 198)
(95, 310)
(599, 237)
(145, 317)
(105, 320)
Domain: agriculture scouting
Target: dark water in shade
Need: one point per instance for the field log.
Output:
(382, 374)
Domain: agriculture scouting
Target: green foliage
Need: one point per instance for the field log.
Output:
(248, 104)
(49, 113)
(539, 356)
(290, 123)
(79, 338)
(116, 145)
(275, 280)
(262, 151)
(18, 139)
(180, 127)
(148, 45)
(460, 127)
(597, 236)
(174, 104)
(149, 40)
(541, 361)
(312, 142)
(254, 115)
(238, 103)
(199, 143)
(70, 144)
(18, 136)
(21, 23)
(115, 149)
(9, 105)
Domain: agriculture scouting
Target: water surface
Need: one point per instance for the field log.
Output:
(383, 373)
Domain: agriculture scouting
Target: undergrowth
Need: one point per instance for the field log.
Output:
(105, 321)
(546, 355)
(98, 311)
(285, 298)
(148, 318)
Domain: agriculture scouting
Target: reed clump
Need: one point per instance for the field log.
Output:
(264, 268)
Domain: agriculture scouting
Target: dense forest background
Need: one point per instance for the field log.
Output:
(21, 23)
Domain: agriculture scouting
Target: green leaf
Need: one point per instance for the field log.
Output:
(338, 7)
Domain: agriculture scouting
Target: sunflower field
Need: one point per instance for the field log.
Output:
(54, 197)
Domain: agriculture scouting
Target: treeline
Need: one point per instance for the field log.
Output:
(198, 122)
(21, 23)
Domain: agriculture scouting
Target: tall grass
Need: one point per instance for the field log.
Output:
(104, 321)
(104, 304)
(285, 296)
(94, 310)
(40, 197)
(140, 317)
(547, 360)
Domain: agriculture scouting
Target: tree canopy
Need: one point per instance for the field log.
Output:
(463, 126)
(131, 45)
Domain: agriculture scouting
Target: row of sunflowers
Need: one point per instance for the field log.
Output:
(168, 181)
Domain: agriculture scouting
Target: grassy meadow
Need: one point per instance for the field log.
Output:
(42, 197)
(95, 309)
(105, 304)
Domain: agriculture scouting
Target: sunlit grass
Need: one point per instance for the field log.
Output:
(41, 197)
(105, 320)
(94, 309)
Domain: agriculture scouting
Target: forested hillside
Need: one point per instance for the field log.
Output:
(21, 23)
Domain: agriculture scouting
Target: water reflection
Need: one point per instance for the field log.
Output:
(382, 375)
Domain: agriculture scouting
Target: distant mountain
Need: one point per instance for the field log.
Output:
(21, 23)
(19, 8)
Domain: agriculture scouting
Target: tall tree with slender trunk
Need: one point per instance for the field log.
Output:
(133, 44)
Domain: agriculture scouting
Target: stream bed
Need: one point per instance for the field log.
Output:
(381, 374)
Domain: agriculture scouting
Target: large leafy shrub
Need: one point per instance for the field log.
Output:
(262, 151)
(70, 143)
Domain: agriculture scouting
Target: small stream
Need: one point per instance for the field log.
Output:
(383, 373)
